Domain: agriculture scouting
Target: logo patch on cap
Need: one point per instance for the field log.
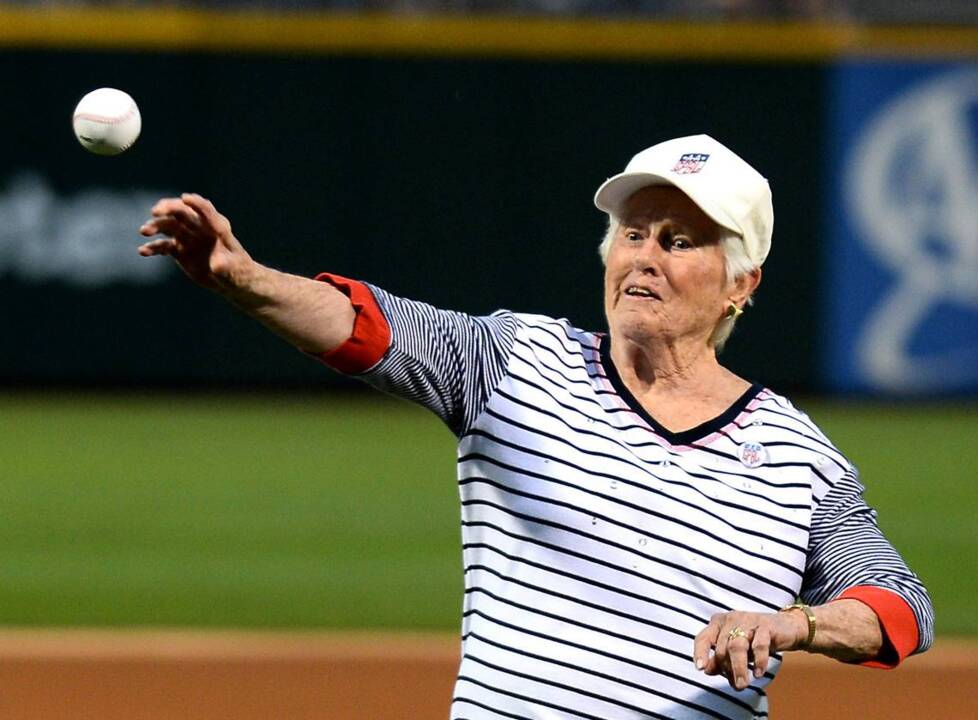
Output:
(690, 163)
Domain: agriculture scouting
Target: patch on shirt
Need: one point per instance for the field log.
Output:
(752, 454)
(690, 163)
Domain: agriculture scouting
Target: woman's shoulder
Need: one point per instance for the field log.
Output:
(791, 427)
(559, 331)
(770, 402)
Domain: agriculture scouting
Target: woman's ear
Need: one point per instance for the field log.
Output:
(744, 287)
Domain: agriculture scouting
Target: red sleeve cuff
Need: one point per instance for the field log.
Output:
(897, 621)
(371, 333)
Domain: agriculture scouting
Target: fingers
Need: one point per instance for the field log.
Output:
(191, 216)
(731, 655)
(178, 220)
(176, 207)
(703, 643)
(171, 216)
(206, 210)
(736, 639)
(737, 649)
(163, 246)
(190, 213)
(761, 646)
(168, 225)
(718, 664)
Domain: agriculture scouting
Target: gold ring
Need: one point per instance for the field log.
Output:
(737, 632)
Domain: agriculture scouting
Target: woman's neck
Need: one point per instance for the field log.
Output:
(680, 384)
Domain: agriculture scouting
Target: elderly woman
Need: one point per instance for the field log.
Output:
(644, 532)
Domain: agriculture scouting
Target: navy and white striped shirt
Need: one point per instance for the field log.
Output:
(597, 544)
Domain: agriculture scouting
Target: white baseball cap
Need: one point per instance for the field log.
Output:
(721, 183)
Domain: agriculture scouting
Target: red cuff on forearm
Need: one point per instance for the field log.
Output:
(371, 333)
(897, 621)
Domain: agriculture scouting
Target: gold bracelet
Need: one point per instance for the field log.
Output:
(810, 614)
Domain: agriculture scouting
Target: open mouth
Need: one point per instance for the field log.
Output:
(641, 292)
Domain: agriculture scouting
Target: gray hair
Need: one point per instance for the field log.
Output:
(736, 265)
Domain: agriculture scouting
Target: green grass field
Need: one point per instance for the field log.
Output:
(342, 512)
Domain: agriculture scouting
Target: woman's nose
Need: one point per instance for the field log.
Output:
(648, 256)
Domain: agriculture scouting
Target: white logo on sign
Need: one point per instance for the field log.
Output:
(912, 189)
(87, 240)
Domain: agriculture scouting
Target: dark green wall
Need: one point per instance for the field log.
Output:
(466, 183)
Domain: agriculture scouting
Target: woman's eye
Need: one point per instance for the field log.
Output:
(632, 236)
(681, 243)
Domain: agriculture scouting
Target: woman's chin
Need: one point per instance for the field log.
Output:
(636, 329)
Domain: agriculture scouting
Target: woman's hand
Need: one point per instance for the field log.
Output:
(313, 316)
(199, 238)
(742, 639)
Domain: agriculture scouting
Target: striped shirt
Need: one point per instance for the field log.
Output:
(597, 543)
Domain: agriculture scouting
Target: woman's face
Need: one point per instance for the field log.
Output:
(664, 276)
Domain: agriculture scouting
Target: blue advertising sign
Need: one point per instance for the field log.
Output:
(902, 258)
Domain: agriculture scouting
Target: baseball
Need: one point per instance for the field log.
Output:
(106, 121)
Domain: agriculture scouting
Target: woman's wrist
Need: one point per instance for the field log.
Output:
(805, 624)
(247, 284)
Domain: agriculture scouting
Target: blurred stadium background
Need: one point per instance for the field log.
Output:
(165, 463)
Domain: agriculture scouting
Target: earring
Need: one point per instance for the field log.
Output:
(733, 312)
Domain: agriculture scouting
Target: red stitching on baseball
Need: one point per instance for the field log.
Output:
(105, 119)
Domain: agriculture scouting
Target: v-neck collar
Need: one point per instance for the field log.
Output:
(686, 437)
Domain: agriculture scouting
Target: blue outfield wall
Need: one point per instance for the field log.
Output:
(900, 311)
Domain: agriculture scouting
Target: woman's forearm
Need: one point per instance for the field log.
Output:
(314, 316)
